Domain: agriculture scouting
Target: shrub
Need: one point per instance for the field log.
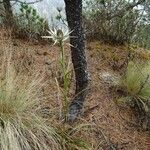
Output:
(142, 38)
(29, 24)
(102, 23)
(135, 84)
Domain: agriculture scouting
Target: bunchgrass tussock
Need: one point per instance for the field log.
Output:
(72, 139)
(135, 85)
(136, 80)
(21, 126)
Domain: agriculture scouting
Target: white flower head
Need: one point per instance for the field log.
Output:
(58, 35)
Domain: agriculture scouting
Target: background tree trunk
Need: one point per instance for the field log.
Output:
(74, 19)
(8, 13)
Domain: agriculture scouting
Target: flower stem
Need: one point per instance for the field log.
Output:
(65, 77)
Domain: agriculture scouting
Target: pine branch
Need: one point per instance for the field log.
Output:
(19, 1)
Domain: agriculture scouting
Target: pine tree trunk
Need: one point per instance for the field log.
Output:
(74, 19)
(8, 13)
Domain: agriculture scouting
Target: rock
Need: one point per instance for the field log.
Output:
(109, 78)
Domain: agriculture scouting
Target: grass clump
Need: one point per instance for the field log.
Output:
(21, 126)
(135, 85)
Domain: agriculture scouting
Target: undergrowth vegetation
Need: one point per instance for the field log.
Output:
(29, 24)
(103, 23)
(135, 85)
(22, 125)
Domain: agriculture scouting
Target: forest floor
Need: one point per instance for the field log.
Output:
(114, 127)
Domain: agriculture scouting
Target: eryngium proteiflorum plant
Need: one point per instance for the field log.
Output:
(60, 36)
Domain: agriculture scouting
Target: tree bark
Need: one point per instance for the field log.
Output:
(74, 19)
(8, 13)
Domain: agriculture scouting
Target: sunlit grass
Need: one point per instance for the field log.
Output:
(135, 84)
(136, 80)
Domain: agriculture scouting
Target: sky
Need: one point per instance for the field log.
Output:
(48, 8)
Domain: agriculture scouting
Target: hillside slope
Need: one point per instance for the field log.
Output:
(113, 127)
